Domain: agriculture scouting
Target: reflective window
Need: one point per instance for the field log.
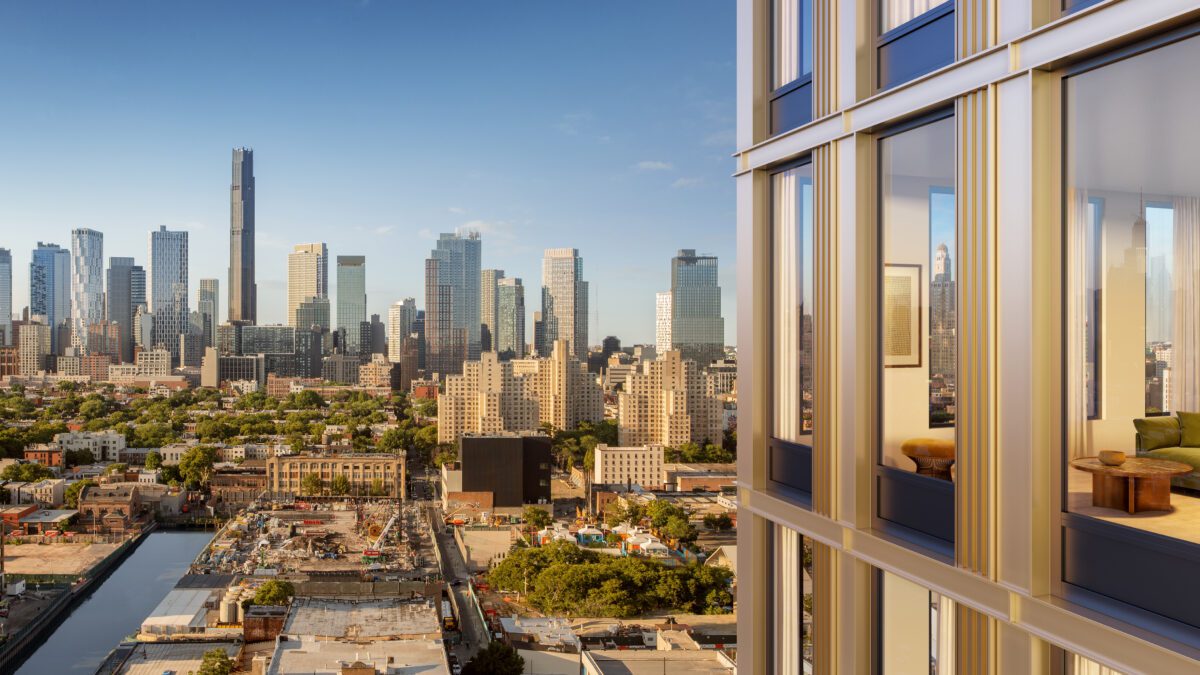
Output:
(1131, 418)
(792, 290)
(918, 341)
(791, 64)
(915, 37)
(793, 590)
(919, 298)
(893, 13)
(792, 327)
(916, 628)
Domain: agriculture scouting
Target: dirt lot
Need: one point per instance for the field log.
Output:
(54, 558)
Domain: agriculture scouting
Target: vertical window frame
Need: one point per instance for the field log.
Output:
(779, 94)
(939, 546)
(914, 25)
(778, 448)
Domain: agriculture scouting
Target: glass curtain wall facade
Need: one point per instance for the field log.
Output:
(967, 337)
(352, 300)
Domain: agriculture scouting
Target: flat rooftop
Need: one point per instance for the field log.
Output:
(156, 658)
(653, 662)
(48, 516)
(326, 657)
(362, 619)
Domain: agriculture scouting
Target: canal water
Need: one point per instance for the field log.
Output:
(116, 609)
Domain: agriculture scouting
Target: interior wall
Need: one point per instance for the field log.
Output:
(1123, 325)
(906, 390)
(906, 633)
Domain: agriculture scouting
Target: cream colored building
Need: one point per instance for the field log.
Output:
(492, 396)
(105, 446)
(968, 262)
(665, 402)
(641, 465)
(488, 397)
(364, 471)
(566, 392)
(34, 348)
(308, 276)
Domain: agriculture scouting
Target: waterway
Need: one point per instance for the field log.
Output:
(116, 609)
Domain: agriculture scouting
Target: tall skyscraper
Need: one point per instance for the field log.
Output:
(169, 287)
(662, 322)
(119, 305)
(697, 329)
(452, 303)
(510, 319)
(352, 300)
(50, 287)
(243, 291)
(208, 303)
(87, 283)
(487, 308)
(401, 316)
(564, 301)
(308, 276)
(313, 312)
(6, 297)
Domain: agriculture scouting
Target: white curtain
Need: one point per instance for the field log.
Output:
(785, 282)
(896, 12)
(1076, 328)
(1185, 341)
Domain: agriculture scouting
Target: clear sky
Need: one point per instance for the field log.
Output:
(606, 126)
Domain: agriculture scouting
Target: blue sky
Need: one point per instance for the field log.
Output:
(603, 126)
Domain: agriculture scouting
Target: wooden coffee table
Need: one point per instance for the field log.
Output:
(1140, 484)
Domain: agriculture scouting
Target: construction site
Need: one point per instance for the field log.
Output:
(380, 538)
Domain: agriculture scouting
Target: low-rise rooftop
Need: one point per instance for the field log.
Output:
(327, 657)
(363, 619)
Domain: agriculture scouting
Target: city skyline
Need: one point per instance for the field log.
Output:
(643, 187)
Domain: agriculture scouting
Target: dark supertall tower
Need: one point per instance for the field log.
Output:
(243, 292)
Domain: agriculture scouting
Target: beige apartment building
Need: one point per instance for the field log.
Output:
(566, 392)
(34, 348)
(665, 402)
(641, 465)
(364, 471)
(968, 266)
(487, 398)
(492, 396)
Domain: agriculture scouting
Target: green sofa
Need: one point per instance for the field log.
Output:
(1174, 437)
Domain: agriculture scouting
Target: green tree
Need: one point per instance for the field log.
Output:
(216, 662)
(77, 457)
(26, 472)
(195, 466)
(495, 659)
(536, 518)
(679, 529)
(312, 484)
(377, 489)
(340, 485)
(274, 592)
(719, 521)
(153, 460)
(71, 494)
(118, 467)
(93, 407)
(169, 474)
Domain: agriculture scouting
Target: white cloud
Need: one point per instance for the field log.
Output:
(498, 229)
(456, 210)
(426, 233)
(384, 229)
(653, 165)
(681, 183)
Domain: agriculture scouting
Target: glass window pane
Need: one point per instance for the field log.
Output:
(792, 41)
(1132, 287)
(792, 588)
(792, 289)
(893, 13)
(919, 299)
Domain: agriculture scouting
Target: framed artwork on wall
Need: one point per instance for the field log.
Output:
(901, 316)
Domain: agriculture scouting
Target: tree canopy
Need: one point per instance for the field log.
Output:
(196, 465)
(561, 578)
(26, 472)
(274, 592)
(495, 659)
(216, 662)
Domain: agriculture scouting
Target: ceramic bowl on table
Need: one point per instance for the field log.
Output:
(1112, 457)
